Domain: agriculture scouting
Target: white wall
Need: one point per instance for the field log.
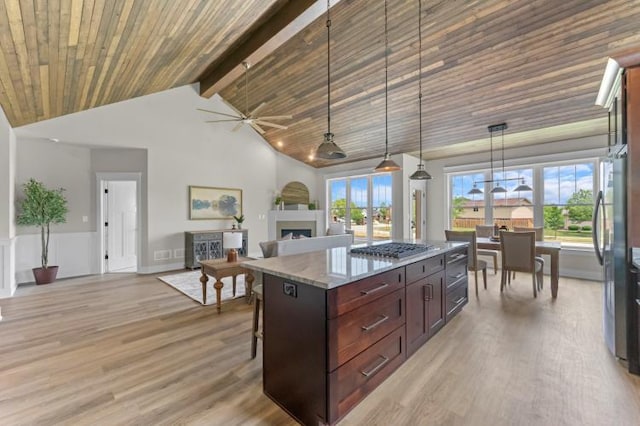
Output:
(573, 263)
(182, 150)
(7, 207)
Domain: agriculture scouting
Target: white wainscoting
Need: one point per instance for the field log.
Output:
(74, 252)
(7, 261)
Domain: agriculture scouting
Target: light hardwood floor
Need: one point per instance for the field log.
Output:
(127, 349)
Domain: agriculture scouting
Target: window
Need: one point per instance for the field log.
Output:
(513, 208)
(568, 202)
(561, 199)
(355, 199)
(467, 210)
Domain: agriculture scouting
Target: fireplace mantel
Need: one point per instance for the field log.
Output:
(315, 216)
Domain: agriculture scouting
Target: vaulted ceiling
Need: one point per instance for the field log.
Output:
(535, 64)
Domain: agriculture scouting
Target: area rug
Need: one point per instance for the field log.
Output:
(189, 284)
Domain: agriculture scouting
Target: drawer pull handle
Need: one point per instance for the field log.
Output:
(457, 301)
(366, 292)
(459, 275)
(375, 324)
(428, 289)
(456, 257)
(375, 369)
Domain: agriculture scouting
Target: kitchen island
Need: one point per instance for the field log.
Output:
(337, 324)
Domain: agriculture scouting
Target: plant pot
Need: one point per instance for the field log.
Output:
(45, 275)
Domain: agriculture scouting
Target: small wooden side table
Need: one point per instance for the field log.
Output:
(220, 268)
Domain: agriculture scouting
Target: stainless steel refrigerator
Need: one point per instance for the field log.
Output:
(610, 243)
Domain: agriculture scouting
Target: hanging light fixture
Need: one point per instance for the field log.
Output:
(328, 149)
(523, 186)
(498, 189)
(420, 174)
(387, 164)
(475, 190)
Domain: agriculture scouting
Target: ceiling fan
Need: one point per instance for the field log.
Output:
(250, 117)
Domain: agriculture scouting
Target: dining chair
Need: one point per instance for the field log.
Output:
(485, 231)
(255, 332)
(519, 254)
(539, 230)
(473, 263)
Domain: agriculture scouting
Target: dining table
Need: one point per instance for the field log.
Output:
(550, 248)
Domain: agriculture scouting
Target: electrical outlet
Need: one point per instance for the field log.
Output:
(290, 290)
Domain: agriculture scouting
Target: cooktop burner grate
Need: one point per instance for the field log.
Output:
(395, 250)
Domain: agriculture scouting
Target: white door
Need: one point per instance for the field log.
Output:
(121, 226)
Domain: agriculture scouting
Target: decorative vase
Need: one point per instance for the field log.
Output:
(239, 225)
(45, 275)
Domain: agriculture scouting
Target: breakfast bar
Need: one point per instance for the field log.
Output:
(337, 323)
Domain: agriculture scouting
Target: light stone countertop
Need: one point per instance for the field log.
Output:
(337, 266)
(635, 254)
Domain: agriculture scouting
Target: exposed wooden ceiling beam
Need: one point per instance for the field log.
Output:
(282, 22)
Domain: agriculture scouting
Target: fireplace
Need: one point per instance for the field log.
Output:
(309, 223)
(295, 232)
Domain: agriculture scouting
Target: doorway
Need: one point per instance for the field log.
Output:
(119, 222)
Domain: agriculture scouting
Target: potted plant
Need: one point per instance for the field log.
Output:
(239, 219)
(277, 202)
(42, 207)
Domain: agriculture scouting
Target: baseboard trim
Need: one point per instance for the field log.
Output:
(160, 268)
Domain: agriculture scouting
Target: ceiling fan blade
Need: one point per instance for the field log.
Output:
(223, 121)
(219, 113)
(266, 123)
(257, 128)
(253, 113)
(275, 117)
(237, 126)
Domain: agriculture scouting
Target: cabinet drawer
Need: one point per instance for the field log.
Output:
(421, 269)
(456, 298)
(456, 272)
(206, 237)
(353, 332)
(348, 297)
(350, 383)
(456, 255)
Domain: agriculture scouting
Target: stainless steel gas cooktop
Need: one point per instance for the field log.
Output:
(395, 250)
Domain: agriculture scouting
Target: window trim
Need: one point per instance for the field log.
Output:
(537, 164)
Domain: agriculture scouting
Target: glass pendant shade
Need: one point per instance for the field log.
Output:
(523, 187)
(328, 150)
(387, 165)
(475, 190)
(420, 174)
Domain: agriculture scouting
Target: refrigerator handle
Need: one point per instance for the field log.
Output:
(594, 227)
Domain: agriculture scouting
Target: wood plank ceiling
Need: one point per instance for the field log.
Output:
(535, 64)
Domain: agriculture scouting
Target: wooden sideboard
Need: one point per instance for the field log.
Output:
(205, 245)
(326, 349)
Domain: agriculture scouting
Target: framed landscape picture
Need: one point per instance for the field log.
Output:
(214, 203)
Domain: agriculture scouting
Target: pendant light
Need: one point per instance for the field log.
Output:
(420, 174)
(387, 164)
(498, 189)
(475, 190)
(328, 149)
(523, 186)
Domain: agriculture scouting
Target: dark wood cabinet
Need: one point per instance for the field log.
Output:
(325, 350)
(456, 282)
(425, 311)
(205, 245)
